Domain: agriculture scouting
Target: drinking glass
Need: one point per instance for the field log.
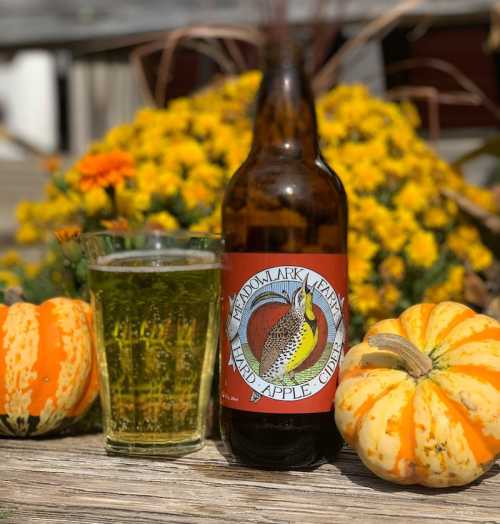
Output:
(155, 298)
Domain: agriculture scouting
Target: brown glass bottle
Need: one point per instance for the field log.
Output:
(283, 199)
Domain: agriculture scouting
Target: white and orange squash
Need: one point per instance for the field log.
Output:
(48, 373)
(419, 398)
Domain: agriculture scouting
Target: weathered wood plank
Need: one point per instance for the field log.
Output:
(45, 23)
(73, 480)
(18, 180)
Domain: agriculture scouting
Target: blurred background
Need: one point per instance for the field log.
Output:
(72, 69)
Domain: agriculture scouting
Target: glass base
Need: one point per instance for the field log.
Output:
(150, 449)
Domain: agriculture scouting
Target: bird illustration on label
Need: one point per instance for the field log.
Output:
(291, 339)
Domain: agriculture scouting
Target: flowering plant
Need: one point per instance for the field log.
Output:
(408, 241)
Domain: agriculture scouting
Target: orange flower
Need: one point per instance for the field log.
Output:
(119, 224)
(104, 169)
(67, 233)
(51, 163)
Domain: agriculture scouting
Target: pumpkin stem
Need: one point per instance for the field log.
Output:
(417, 363)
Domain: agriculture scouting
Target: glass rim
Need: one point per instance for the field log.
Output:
(174, 233)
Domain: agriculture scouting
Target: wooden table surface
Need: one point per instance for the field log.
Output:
(71, 479)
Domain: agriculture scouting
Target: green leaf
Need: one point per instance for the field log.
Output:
(81, 271)
(40, 289)
(60, 183)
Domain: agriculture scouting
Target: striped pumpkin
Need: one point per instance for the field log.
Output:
(419, 398)
(48, 371)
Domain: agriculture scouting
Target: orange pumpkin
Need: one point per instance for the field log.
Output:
(48, 372)
(419, 399)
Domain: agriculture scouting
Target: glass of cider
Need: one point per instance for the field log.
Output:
(155, 298)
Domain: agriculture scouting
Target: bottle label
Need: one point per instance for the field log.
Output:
(284, 319)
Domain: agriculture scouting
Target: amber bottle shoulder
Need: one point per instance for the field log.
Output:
(274, 192)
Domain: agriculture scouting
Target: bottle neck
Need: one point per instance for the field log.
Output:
(285, 121)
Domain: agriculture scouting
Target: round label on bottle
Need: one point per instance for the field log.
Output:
(284, 331)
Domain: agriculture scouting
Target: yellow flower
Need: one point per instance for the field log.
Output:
(411, 197)
(185, 153)
(168, 183)
(333, 129)
(450, 289)
(411, 114)
(154, 178)
(460, 239)
(371, 124)
(72, 177)
(145, 117)
(479, 256)
(124, 198)
(422, 249)
(209, 174)
(218, 145)
(162, 220)
(435, 217)
(353, 152)
(465, 242)
(401, 139)
(28, 234)
(235, 157)
(205, 124)
(373, 212)
(451, 208)
(11, 258)
(141, 200)
(394, 167)
(175, 120)
(390, 296)
(391, 235)
(455, 281)
(482, 197)
(368, 175)
(209, 224)
(9, 279)
(24, 211)
(453, 180)
(437, 293)
(405, 220)
(57, 210)
(375, 148)
(361, 246)
(196, 194)
(181, 104)
(119, 137)
(392, 268)
(132, 203)
(365, 298)
(147, 175)
(96, 201)
(359, 269)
